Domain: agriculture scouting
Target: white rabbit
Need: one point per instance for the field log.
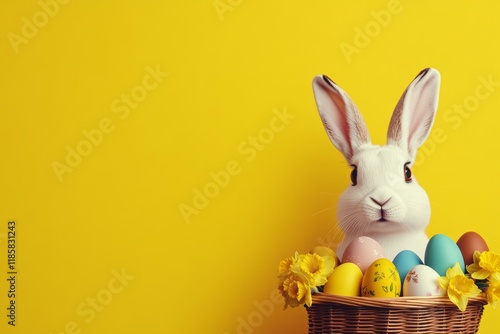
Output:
(384, 201)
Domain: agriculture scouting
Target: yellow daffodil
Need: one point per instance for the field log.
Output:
(300, 274)
(458, 286)
(493, 292)
(296, 290)
(316, 268)
(287, 264)
(486, 264)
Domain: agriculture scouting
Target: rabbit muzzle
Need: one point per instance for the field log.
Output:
(384, 206)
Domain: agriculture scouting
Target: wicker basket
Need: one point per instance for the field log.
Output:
(432, 315)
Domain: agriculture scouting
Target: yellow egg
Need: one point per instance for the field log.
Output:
(344, 281)
(381, 279)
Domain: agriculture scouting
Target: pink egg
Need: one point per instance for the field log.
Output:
(363, 251)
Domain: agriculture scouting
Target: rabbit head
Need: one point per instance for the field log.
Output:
(384, 200)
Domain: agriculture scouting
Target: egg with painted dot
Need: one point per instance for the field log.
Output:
(362, 251)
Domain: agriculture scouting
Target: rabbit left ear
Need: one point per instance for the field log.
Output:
(414, 115)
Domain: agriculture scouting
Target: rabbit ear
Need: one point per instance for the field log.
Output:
(414, 115)
(341, 118)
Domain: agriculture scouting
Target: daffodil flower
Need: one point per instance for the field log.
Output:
(287, 264)
(493, 292)
(486, 264)
(458, 286)
(296, 290)
(300, 274)
(316, 268)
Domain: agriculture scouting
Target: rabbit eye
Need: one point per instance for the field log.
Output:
(354, 176)
(408, 174)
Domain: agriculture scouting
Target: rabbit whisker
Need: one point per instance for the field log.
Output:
(322, 210)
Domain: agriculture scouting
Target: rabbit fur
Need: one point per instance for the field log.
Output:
(384, 201)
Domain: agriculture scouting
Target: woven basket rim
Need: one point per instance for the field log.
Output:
(396, 302)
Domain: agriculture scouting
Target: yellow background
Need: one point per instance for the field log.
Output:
(232, 66)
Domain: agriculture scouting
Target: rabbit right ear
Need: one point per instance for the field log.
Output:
(342, 120)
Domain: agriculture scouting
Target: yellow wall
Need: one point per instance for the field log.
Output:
(158, 99)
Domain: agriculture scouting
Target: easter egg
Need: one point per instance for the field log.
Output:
(381, 279)
(422, 280)
(404, 261)
(362, 251)
(344, 281)
(470, 242)
(442, 253)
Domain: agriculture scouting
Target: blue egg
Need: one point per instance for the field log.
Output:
(405, 261)
(442, 253)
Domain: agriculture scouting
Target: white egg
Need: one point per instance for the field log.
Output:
(422, 280)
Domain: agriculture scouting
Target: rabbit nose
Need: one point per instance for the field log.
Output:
(380, 202)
